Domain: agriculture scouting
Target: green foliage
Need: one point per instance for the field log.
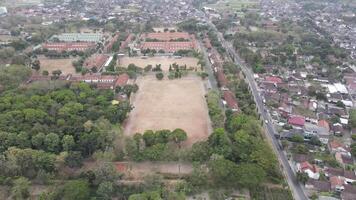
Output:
(353, 149)
(302, 177)
(36, 124)
(77, 189)
(20, 188)
(159, 76)
(105, 190)
(215, 111)
(13, 76)
(155, 145)
(352, 121)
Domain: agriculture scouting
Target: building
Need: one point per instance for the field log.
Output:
(78, 37)
(3, 11)
(311, 170)
(337, 183)
(297, 121)
(96, 61)
(69, 46)
(230, 101)
(111, 42)
(168, 47)
(167, 36)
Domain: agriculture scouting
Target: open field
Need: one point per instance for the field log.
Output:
(170, 104)
(234, 5)
(164, 61)
(65, 65)
(138, 170)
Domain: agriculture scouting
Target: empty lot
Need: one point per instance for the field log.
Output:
(50, 65)
(170, 104)
(163, 60)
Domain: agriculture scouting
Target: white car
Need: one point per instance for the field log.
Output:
(266, 121)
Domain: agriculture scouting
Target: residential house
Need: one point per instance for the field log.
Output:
(320, 186)
(230, 101)
(337, 183)
(297, 121)
(349, 193)
(336, 146)
(310, 169)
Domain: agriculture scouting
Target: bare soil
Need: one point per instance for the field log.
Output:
(65, 65)
(163, 60)
(170, 104)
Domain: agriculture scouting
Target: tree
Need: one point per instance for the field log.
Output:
(68, 142)
(105, 190)
(220, 143)
(77, 189)
(45, 73)
(106, 172)
(36, 65)
(353, 149)
(159, 76)
(74, 159)
(20, 188)
(223, 172)
(302, 177)
(51, 142)
(178, 136)
(352, 121)
(56, 73)
(250, 175)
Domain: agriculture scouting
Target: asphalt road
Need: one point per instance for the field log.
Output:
(294, 185)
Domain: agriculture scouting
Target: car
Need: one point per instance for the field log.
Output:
(266, 121)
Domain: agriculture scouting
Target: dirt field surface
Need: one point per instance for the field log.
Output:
(138, 170)
(65, 65)
(163, 60)
(170, 104)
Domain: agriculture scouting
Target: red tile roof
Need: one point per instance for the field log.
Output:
(108, 47)
(273, 79)
(97, 61)
(122, 80)
(306, 165)
(323, 123)
(127, 41)
(231, 100)
(336, 181)
(166, 36)
(222, 80)
(68, 46)
(296, 120)
(168, 46)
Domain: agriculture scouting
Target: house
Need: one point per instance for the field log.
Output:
(349, 193)
(230, 100)
(343, 159)
(297, 121)
(336, 146)
(337, 183)
(338, 129)
(348, 175)
(222, 80)
(320, 186)
(273, 79)
(324, 124)
(311, 170)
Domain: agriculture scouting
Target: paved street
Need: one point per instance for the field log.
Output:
(296, 189)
